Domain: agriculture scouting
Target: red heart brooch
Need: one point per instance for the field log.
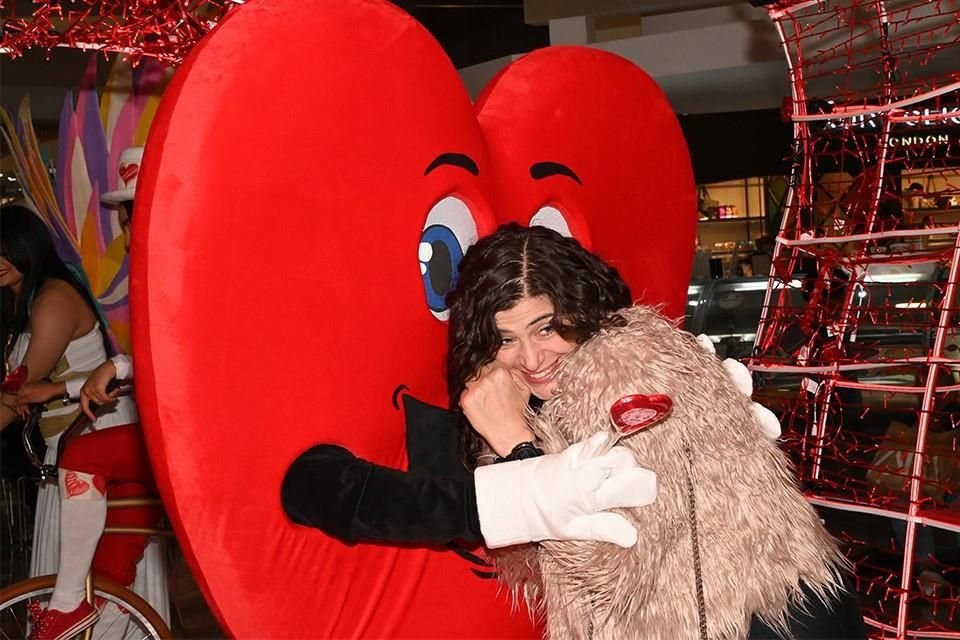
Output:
(14, 380)
(637, 412)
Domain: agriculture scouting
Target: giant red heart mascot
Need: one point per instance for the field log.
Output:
(281, 295)
(299, 155)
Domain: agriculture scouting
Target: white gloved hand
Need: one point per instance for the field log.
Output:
(768, 420)
(739, 375)
(705, 343)
(743, 381)
(563, 496)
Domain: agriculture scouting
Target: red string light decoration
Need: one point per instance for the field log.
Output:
(163, 29)
(859, 338)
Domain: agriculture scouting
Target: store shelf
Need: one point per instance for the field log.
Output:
(939, 518)
(744, 202)
(931, 211)
(934, 251)
(726, 220)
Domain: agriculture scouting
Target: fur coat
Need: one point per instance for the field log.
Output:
(759, 540)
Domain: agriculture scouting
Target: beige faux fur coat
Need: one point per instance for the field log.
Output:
(758, 537)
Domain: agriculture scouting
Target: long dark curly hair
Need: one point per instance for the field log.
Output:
(501, 269)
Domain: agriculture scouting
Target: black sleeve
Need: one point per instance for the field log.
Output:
(433, 437)
(329, 488)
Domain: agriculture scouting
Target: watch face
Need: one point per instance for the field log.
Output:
(525, 451)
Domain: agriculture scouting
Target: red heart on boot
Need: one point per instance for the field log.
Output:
(74, 485)
(634, 413)
(14, 380)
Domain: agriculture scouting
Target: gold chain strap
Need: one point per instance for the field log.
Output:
(695, 541)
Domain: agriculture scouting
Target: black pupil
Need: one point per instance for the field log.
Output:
(441, 268)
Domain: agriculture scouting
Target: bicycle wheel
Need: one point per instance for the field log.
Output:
(135, 619)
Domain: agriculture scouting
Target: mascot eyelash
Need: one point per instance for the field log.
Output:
(763, 550)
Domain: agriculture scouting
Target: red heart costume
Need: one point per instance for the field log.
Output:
(293, 170)
(279, 302)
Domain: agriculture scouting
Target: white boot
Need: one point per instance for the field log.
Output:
(83, 514)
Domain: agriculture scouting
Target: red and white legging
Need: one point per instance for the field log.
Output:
(108, 463)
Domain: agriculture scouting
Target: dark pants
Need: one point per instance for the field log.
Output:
(838, 619)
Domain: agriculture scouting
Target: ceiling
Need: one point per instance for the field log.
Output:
(474, 31)
(710, 56)
(477, 31)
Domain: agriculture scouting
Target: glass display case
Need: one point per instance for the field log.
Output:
(894, 304)
(895, 318)
(896, 307)
(728, 311)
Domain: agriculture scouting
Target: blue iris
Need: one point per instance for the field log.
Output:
(441, 267)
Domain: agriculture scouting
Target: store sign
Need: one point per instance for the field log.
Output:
(920, 118)
(907, 141)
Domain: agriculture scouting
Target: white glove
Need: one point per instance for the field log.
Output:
(769, 422)
(743, 381)
(563, 496)
(705, 343)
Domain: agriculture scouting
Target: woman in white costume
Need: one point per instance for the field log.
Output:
(50, 328)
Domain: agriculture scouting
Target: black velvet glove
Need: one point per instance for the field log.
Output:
(329, 488)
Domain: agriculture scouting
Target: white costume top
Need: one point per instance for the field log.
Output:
(82, 356)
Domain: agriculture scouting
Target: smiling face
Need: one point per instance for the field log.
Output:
(525, 296)
(530, 344)
(10, 276)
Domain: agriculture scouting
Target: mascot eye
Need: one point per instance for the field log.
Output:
(447, 234)
(551, 218)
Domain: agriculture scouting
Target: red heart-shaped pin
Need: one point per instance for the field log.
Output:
(636, 412)
(14, 380)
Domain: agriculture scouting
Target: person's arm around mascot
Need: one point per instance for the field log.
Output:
(527, 498)
(561, 496)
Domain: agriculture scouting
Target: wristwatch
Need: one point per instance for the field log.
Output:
(522, 451)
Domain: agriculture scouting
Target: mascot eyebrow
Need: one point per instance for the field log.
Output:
(542, 170)
(456, 159)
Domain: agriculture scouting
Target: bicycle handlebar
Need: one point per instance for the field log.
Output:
(81, 422)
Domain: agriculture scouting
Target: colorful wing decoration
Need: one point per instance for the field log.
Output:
(93, 131)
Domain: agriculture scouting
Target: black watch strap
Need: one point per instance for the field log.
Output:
(522, 451)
